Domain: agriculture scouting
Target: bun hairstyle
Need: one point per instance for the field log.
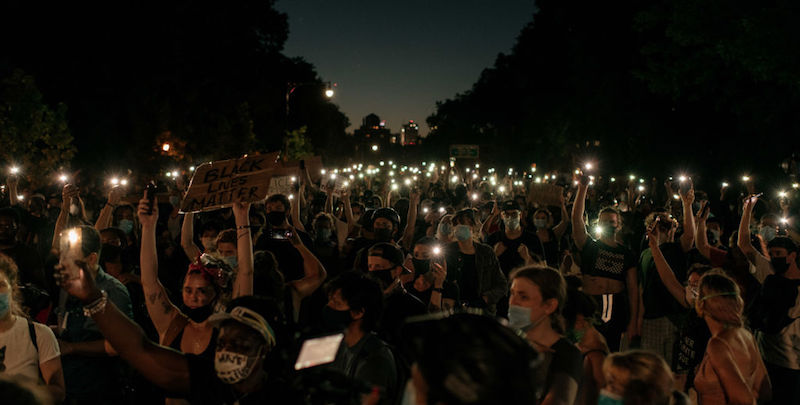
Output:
(720, 299)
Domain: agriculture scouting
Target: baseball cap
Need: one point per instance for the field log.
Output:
(510, 205)
(248, 317)
(390, 252)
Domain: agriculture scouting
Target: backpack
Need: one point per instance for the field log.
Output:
(769, 312)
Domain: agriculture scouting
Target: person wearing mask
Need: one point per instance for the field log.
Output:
(609, 271)
(234, 374)
(90, 374)
(429, 273)
(537, 299)
(732, 371)
(475, 278)
(326, 241)
(28, 349)
(714, 231)
(639, 377)
(661, 313)
(776, 317)
(549, 235)
(578, 314)
(385, 262)
(444, 230)
(386, 229)
(355, 303)
(276, 237)
(464, 358)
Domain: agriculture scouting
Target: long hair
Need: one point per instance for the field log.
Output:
(721, 300)
(11, 271)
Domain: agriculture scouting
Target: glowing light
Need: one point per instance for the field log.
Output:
(191, 168)
(114, 181)
(62, 178)
(294, 179)
(175, 173)
(14, 170)
(745, 178)
(631, 177)
(73, 237)
(394, 186)
(442, 210)
(682, 178)
(784, 220)
(454, 179)
(577, 171)
(588, 166)
(795, 185)
(641, 188)
(782, 194)
(391, 173)
(444, 167)
(613, 180)
(477, 165)
(437, 250)
(381, 163)
(502, 189)
(165, 147)
(475, 196)
(538, 180)
(724, 184)
(333, 176)
(474, 176)
(425, 210)
(407, 182)
(676, 197)
(598, 230)
(322, 172)
(124, 182)
(20, 197)
(329, 93)
(346, 183)
(291, 196)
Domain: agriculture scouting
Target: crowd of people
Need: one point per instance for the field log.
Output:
(401, 285)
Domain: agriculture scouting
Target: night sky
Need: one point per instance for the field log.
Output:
(398, 58)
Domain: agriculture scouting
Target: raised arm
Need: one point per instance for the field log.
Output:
(69, 192)
(348, 211)
(243, 285)
(700, 238)
(562, 225)
(313, 271)
(161, 310)
(105, 218)
(664, 270)
(744, 231)
(411, 220)
(187, 237)
(490, 221)
(162, 366)
(294, 211)
(13, 192)
(687, 239)
(579, 234)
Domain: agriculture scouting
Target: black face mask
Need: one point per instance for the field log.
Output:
(421, 266)
(383, 234)
(276, 218)
(779, 264)
(198, 314)
(109, 253)
(333, 320)
(383, 277)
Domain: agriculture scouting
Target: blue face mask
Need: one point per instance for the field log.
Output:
(768, 233)
(126, 225)
(444, 229)
(462, 233)
(609, 398)
(232, 261)
(5, 304)
(519, 317)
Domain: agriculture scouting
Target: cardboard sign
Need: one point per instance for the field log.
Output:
(545, 194)
(313, 164)
(219, 184)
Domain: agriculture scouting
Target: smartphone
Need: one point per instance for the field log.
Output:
(281, 234)
(705, 210)
(318, 351)
(685, 186)
(150, 195)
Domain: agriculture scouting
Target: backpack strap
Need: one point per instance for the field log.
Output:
(32, 334)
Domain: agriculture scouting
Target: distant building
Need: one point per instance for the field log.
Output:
(409, 135)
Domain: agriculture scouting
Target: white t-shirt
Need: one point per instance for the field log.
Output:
(17, 353)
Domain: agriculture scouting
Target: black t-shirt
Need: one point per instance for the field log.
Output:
(290, 262)
(510, 259)
(691, 346)
(398, 306)
(601, 260)
(467, 273)
(658, 302)
(564, 358)
(207, 389)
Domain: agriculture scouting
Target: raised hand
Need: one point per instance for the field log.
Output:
(439, 274)
(144, 206)
(500, 248)
(115, 195)
(241, 210)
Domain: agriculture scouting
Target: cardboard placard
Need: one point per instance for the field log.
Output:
(219, 184)
(545, 194)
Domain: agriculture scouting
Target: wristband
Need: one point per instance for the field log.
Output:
(244, 227)
(111, 205)
(439, 290)
(97, 306)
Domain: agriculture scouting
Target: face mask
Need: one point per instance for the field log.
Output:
(444, 229)
(540, 223)
(198, 314)
(174, 200)
(383, 234)
(5, 304)
(233, 367)
(126, 225)
(74, 210)
(383, 277)
(574, 335)
(512, 224)
(334, 320)
(208, 243)
(768, 233)
(232, 261)
(691, 293)
(462, 233)
(324, 234)
(609, 398)
(276, 218)
(779, 264)
(713, 236)
(109, 253)
(519, 317)
(421, 266)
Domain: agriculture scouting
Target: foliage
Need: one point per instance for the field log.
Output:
(298, 145)
(33, 135)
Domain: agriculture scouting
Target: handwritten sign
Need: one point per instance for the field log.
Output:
(545, 194)
(219, 184)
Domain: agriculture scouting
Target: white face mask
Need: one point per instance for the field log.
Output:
(233, 367)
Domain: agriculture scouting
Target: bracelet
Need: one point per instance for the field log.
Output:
(111, 205)
(97, 306)
(244, 227)
(439, 290)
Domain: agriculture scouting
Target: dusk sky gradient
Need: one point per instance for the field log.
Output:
(397, 58)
